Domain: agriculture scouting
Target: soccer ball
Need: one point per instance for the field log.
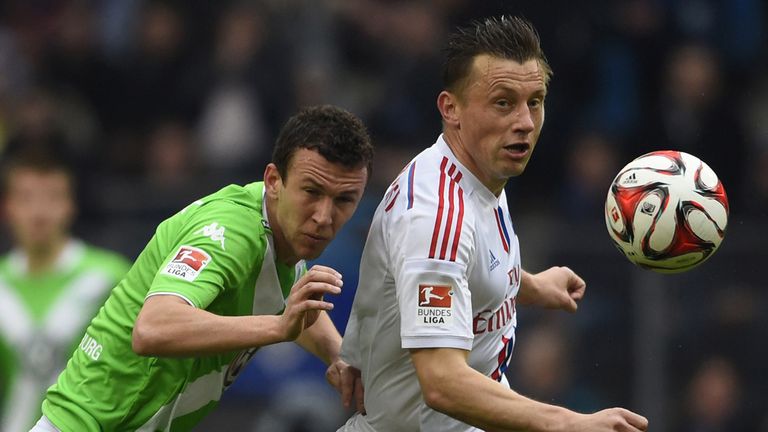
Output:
(667, 211)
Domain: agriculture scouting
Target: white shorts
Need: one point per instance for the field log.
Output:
(44, 425)
(356, 424)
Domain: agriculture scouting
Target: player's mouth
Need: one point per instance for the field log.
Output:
(518, 150)
(315, 239)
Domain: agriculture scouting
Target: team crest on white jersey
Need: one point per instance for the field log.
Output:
(188, 263)
(435, 304)
(214, 231)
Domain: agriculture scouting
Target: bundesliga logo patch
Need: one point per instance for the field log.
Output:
(188, 263)
(435, 303)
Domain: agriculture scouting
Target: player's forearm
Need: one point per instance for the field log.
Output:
(477, 400)
(528, 293)
(179, 330)
(321, 339)
(450, 386)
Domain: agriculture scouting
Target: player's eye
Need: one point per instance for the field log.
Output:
(312, 192)
(345, 200)
(502, 103)
(535, 103)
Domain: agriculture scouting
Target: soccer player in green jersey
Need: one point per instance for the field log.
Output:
(219, 279)
(51, 284)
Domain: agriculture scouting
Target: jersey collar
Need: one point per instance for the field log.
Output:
(470, 183)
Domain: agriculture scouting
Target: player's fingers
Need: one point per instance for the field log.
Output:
(635, 420)
(324, 269)
(347, 387)
(321, 275)
(571, 305)
(332, 376)
(315, 290)
(576, 285)
(317, 277)
(359, 395)
(309, 305)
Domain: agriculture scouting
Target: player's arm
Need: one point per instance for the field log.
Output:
(554, 288)
(450, 386)
(324, 341)
(321, 339)
(169, 326)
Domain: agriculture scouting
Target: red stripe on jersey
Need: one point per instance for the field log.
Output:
(459, 223)
(439, 217)
(447, 231)
(392, 203)
(501, 233)
(502, 359)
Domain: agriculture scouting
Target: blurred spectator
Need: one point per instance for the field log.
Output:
(74, 68)
(242, 83)
(147, 85)
(393, 51)
(714, 399)
(695, 115)
(40, 125)
(592, 162)
(543, 369)
(50, 285)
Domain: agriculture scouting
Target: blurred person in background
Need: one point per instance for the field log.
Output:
(545, 369)
(713, 399)
(221, 278)
(591, 164)
(691, 115)
(241, 100)
(433, 326)
(50, 284)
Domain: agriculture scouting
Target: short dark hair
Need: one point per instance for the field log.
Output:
(37, 161)
(338, 135)
(511, 38)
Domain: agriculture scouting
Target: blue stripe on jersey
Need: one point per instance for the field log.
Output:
(410, 184)
(503, 225)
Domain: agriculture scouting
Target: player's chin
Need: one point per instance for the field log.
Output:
(514, 170)
(310, 252)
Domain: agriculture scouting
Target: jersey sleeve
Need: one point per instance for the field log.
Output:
(430, 245)
(217, 247)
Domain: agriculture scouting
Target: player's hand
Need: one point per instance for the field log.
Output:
(305, 302)
(347, 381)
(554, 288)
(610, 420)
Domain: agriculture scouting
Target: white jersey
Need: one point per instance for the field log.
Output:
(440, 269)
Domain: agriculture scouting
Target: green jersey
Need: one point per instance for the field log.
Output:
(217, 254)
(42, 318)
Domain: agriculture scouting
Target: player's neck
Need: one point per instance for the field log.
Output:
(463, 154)
(42, 258)
(283, 250)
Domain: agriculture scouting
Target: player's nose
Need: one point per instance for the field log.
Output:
(322, 213)
(523, 122)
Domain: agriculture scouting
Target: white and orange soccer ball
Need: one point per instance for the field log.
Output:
(667, 211)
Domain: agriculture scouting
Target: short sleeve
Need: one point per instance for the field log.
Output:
(430, 246)
(216, 249)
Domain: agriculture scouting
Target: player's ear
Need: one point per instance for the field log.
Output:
(273, 182)
(448, 105)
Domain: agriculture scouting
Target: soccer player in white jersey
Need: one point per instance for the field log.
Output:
(433, 321)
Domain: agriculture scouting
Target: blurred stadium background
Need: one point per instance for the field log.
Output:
(159, 102)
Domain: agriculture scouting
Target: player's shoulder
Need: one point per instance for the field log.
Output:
(234, 206)
(231, 218)
(435, 180)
